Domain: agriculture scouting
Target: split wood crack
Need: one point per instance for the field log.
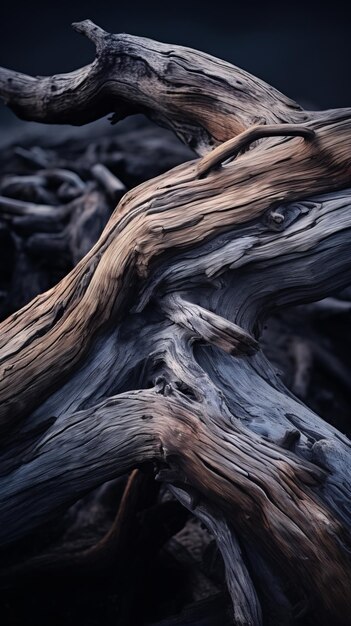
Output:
(175, 290)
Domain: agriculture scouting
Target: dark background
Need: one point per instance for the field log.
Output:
(302, 48)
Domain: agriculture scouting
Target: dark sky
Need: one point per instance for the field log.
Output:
(302, 48)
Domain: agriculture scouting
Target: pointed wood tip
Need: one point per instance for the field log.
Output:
(90, 30)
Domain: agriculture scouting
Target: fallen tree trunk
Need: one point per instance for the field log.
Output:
(149, 349)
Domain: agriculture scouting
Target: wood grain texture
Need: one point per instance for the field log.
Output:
(149, 349)
(203, 99)
(169, 212)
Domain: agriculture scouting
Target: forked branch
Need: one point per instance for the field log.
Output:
(133, 357)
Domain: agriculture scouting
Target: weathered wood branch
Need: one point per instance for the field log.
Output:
(246, 605)
(135, 427)
(149, 349)
(203, 99)
(171, 211)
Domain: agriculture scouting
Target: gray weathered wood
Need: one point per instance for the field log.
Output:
(149, 349)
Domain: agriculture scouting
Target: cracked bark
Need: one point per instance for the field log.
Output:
(149, 349)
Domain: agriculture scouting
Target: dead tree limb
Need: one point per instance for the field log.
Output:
(148, 350)
(203, 99)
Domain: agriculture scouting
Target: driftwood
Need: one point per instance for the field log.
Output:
(148, 351)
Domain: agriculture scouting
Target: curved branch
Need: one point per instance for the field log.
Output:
(168, 212)
(246, 605)
(212, 421)
(111, 438)
(204, 100)
(231, 148)
(208, 326)
(269, 498)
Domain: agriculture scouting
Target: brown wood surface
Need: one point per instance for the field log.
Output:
(179, 282)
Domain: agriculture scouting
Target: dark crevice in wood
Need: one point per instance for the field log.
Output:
(145, 351)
